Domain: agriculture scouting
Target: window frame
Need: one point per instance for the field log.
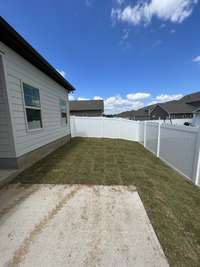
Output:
(61, 119)
(31, 107)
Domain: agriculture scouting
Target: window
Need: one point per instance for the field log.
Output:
(33, 107)
(63, 112)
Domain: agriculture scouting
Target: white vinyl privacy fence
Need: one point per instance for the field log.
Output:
(104, 128)
(178, 146)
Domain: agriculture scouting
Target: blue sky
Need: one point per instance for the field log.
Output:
(130, 53)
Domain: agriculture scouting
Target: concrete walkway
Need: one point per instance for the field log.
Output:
(62, 225)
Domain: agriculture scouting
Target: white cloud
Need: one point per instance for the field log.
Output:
(138, 96)
(165, 97)
(175, 11)
(132, 101)
(196, 59)
(116, 104)
(71, 97)
(97, 98)
(61, 72)
(82, 98)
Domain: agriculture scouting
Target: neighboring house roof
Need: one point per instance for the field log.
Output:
(142, 112)
(86, 105)
(177, 107)
(182, 106)
(192, 98)
(196, 110)
(16, 42)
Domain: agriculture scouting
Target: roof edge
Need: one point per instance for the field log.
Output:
(160, 105)
(10, 37)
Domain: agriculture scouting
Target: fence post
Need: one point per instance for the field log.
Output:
(72, 128)
(158, 146)
(145, 133)
(197, 167)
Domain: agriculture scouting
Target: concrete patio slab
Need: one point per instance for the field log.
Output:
(63, 225)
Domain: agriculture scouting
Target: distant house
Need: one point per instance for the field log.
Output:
(87, 108)
(175, 109)
(140, 114)
(172, 109)
(34, 106)
(192, 99)
(196, 118)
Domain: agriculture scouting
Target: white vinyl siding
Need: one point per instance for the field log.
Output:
(6, 139)
(20, 71)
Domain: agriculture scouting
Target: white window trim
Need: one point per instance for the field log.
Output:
(66, 120)
(31, 107)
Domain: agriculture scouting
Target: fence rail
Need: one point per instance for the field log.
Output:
(178, 146)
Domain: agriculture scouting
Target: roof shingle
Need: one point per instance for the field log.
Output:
(80, 105)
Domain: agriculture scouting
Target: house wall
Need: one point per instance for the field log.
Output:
(181, 115)
(6, 138)
(158, 112)
(141, 118)
(87, 113)
(19, 70)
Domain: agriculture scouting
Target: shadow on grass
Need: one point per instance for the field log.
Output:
(50, 169)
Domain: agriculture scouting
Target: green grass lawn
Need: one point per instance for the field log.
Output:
(172, 202)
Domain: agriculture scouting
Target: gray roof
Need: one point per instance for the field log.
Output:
(144, 111)
(184, 105)
(196, 110)
(177, 107)
(81, 105)
(195, 97)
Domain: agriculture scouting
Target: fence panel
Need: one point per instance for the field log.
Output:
(152, 136)
(178, 146)
(86, 127)
(129, 130)
(104, 127)
(173, 121)
(141, 132)
(111, 128)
